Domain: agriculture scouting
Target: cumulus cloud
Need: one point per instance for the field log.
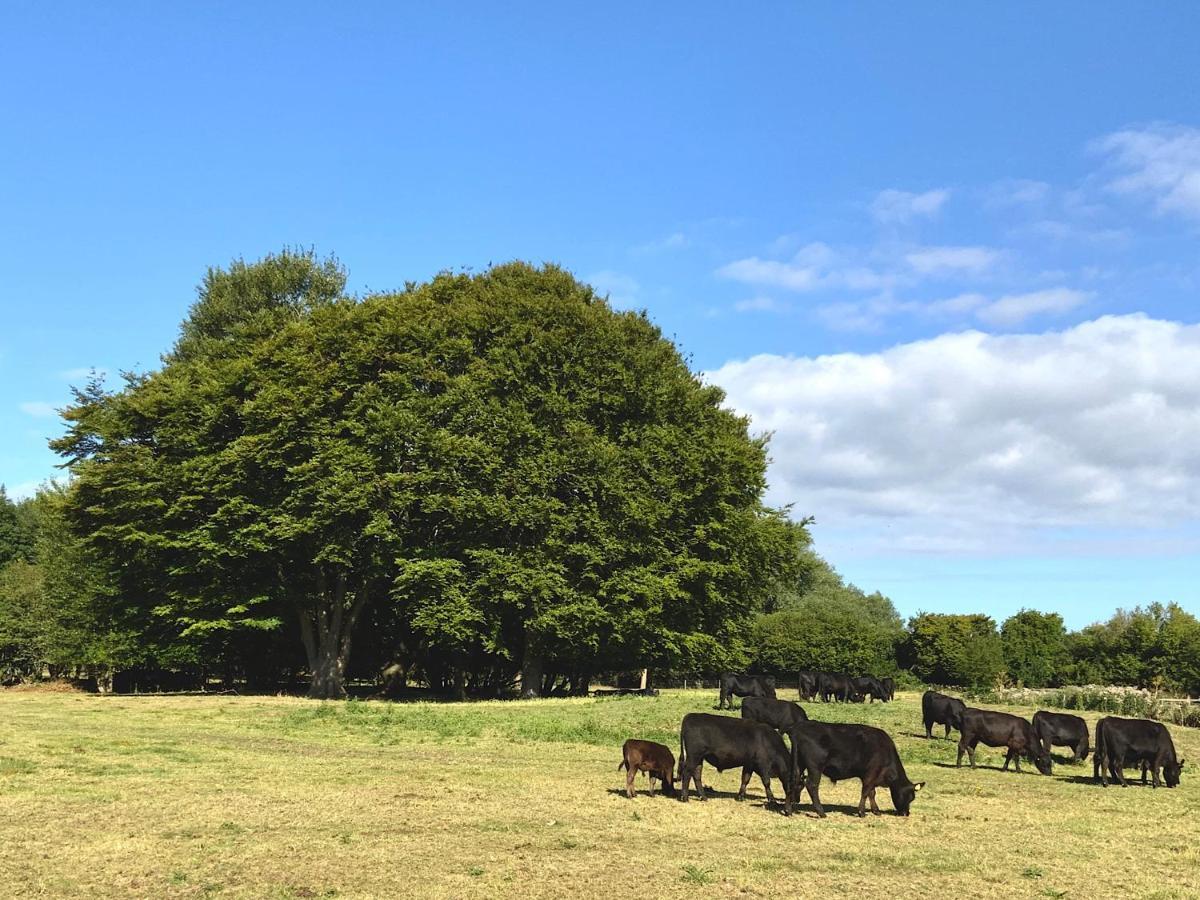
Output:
(1160, 163)
(815, 266)
(967, 441)
(899, 207)
(39, 409)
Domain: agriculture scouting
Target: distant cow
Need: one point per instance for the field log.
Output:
(656, 760)
(940, 709)
(1062, 730)
(835, 687)
(744, 686)
(807, 684)
(1127, 742)
(782, 715)
(999, 729)
(728, 743)
(867, 684)
(889, 685)
(851, 751)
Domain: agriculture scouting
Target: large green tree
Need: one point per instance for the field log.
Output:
(962, 650)
(1034, 645)
(531, 478)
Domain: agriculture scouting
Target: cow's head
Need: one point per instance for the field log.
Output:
(1171, 772)
(1041, 759)
(903, 794)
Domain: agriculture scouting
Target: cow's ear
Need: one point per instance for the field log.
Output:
(918, 786)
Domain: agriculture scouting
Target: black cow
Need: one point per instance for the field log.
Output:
(835, 687)
(807, 684)
(889, 685)
(867, 684)
(941, 709)
(1062, 730)
(726, 743)
(782, 715)
(744, 686)
(999, 729)
(1127, 742)
(851, 751)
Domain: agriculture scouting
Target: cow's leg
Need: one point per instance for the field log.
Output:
(928, 730)
(1118, 773)
(947, 730)
(961, 749)
(1145, 768)
(862, 801)
(1007, 759)
(871, 797)
(685, 775)
(652, 777)
(766, 783)
(699, 783)
(814, 784)
(746, 773)
(971, 752)
(629, 773)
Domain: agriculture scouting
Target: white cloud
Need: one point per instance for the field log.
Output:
(39, 409)
(898, 207)
(621, 290)
(972, 440)
(815, 266)
(753, 270)
(936, 260)
(1159, 162)
(1014, 309)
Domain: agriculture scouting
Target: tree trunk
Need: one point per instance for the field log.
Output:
(327, 629)
(531, 668)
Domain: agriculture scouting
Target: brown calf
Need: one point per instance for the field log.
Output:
(655, 760)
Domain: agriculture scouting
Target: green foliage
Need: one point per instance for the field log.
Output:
(16, 537)
(1149, 646)
(1035, 647)
(521, 471)
(960, 650)
(813, 620)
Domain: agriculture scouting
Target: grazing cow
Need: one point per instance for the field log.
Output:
(868, 684)
(941, 709)
(807, 684)
(782, 715)
(889, 685)
(851, 751)
(1127, 742)
(656, 760)
(744, 686)
(835, 687)
(999, 729)
(727, 743)
(1062, 730)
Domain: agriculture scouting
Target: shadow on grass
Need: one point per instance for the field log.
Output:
(966, 768)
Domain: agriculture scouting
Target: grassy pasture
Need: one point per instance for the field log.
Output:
(276, 797)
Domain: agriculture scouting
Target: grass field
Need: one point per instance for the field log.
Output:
(158, 796)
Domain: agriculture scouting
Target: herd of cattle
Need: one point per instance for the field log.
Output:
(838, 751)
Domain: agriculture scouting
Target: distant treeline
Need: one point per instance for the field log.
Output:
(483, 483)
(55, 620)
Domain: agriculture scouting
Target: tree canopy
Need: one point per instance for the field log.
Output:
(532, 481)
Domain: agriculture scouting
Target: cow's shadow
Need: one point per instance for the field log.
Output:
(1136, 781)
(996, 768)
(643, 791)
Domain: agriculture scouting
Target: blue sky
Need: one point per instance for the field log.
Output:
(947, 253)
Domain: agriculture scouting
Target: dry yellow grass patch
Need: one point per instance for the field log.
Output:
(272, 797)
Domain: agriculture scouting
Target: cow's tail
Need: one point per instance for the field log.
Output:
(623, 765)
